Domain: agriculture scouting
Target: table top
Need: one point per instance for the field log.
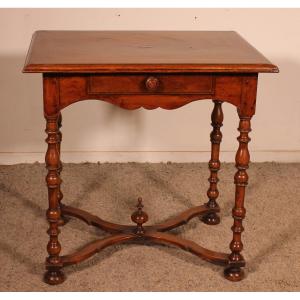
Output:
(143, 51)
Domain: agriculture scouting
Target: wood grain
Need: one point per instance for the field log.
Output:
(234, 89)
(242, 159)
(125, 233)
(53, 274)
(214, 163)
(143, 51)
(173, 222)
(187, 245)
(167, 84)
(148, 69)
(94, 247)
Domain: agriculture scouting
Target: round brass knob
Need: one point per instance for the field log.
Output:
(152, 83)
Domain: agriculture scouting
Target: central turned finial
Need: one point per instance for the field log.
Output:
(139, 217)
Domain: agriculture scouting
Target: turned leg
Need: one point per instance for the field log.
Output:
(63, 220)
(234, 272)
(214, 163)
(59, 139)
(53, 274)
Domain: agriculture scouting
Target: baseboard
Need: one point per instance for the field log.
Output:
(147, 156)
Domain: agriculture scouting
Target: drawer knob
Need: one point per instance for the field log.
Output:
(152, 83)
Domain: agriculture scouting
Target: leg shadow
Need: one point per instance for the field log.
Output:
(283, 237)
(32, 266)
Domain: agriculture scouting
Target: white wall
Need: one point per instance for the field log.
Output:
(98, 131)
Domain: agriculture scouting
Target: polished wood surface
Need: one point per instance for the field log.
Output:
(214, 163)
(167, 84)
(171, 223)
(143, 51)
(149, 70)
(139, 232)
(53, 262)
(233, 89)
(242, 159)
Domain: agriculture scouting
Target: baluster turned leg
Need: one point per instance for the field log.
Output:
(63, 220)
(53, 275)
(234, 272)
(214, 163)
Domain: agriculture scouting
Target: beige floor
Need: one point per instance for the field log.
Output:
(271, 238)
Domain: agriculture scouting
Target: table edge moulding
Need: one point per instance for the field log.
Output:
(149, 69)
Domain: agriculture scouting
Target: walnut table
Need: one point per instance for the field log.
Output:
(150, 70)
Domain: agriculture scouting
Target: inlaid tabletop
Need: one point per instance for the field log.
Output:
(136, 51)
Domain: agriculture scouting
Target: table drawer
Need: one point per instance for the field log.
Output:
(151, 84)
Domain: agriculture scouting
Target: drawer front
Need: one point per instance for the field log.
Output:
(151, 84)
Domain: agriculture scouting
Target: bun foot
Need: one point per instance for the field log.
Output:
(211, 219)
(234, 273)
(54, 277)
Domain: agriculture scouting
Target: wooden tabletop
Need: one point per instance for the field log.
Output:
(143, 51)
